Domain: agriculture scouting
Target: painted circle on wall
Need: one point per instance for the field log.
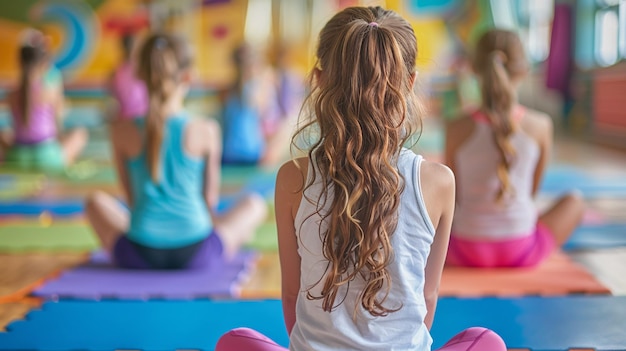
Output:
(77, 23)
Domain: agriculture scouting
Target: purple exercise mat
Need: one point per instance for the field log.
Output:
(100, 280)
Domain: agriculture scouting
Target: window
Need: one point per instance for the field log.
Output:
(610, 31)
(606, 37)
(258, 25)
(540, 17)
(533, 21)
(503, 14)
(622, 28)
(608, 2)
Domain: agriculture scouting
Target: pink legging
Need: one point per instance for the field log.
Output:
(472, 339)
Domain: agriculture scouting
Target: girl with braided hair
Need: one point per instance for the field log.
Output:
(168, 164)
(499, 154)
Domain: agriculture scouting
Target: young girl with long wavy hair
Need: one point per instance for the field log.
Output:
(363, 223)
(499, 154)
(169, 167)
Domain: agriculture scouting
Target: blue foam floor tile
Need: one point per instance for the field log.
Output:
(263, 184)
(73, 207)
(560, 179)
(36, 207)
(597, 237)
(147, 326)
(540, 324)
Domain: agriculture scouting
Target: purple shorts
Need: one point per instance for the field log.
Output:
(527, 251)
(201, 255)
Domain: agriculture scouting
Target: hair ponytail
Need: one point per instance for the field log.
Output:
(23, 94)
(163, 57)
(498, 100)
(365, 109)
(30, 57)
(500, 58)
(154, 134)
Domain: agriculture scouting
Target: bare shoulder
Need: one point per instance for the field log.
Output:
(202, 134)
(12, 96)
(436, 177)
(125, 136)
(460, 126)
(290, 183)
(120, 129)
(457, 132)
(202, 128)
(438, 190)
(292, 175)
(540, 118)
(536, 123)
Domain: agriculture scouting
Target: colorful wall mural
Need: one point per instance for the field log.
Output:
(85, 33)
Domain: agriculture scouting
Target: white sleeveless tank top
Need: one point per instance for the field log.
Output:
(346, 328)
(478, 215)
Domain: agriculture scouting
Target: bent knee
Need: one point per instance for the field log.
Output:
(485, 340)
(255, 203)
(231, 340)
(575, 202)
(83, 133)
(95, 199)
(575, 198)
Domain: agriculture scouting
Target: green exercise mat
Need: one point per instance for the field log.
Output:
(37, 236)
(265, 238)
(20, 186)
(91, 172)
(85, 171)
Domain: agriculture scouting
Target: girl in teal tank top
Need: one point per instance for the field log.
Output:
(168, 164)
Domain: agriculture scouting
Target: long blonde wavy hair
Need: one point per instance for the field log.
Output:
(363, 106)
(500, 58)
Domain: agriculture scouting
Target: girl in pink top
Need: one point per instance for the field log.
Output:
(36, 140)
(128, 90)
(499, 154)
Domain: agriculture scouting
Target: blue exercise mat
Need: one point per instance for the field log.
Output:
(597, 237)
(147, 326)
(560, 179)
(60, 208)
(541, 324)
(262, 184)
(73, 207)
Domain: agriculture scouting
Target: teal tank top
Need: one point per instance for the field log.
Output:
(172, 213)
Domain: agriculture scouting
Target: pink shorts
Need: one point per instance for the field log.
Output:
(523, 252)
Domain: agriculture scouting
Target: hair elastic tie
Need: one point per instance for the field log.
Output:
(499, 57)
(373, 24)
(160, 43)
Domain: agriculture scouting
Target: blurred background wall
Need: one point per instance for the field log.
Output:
(577, 47)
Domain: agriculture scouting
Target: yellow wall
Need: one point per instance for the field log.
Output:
(212, 52)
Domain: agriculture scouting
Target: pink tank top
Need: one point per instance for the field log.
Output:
(42, 122)
(478, 215)
(130, 92)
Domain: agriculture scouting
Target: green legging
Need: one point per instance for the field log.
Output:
(47, 156)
